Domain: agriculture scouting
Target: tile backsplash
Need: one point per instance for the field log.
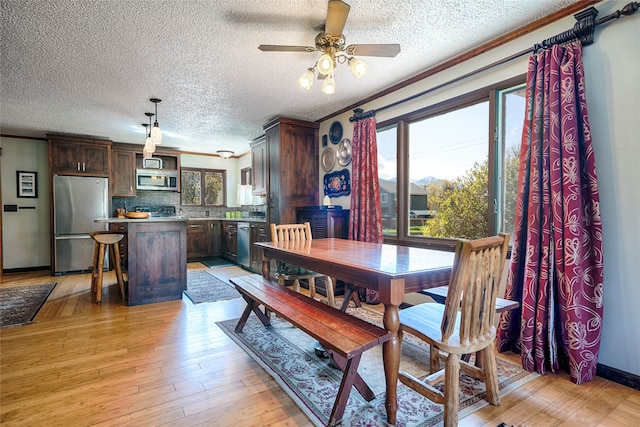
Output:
(170, 198)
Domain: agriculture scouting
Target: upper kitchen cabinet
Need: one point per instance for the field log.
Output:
(292, 174)
(79, 156)
(259, 166)
(123, 172)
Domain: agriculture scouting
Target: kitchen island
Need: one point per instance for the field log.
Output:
(155, 256)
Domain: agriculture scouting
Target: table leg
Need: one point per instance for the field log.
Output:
(391, 358)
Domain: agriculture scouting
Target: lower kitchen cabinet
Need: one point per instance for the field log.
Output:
(197, 240)
(122, 244)
(229, 240)
(203, 239)
(259, 233)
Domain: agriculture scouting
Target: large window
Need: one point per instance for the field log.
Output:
(450, 171)
(202, 187)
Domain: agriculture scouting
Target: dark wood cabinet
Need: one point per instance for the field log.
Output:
(79, 156)
(157, 261)
(259, 166)
(259, 233)
(325, 222)
(292, 162)
(123, 173)
(229, 240)
(215, 235)
(203, 239)
(197, 240)
(122, 244)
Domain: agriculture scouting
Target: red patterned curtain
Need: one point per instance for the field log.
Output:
(556, 269)
(365, 216)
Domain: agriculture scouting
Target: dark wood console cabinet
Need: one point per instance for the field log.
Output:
(325, 222)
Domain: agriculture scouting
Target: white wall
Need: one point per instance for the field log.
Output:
(26, 233)
(612, 67)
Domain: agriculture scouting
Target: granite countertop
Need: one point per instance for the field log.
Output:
(176, 218)
(150, 219)
(211, 218)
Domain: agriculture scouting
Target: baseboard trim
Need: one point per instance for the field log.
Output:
(617, 376)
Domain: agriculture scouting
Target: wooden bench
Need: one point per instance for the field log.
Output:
(344, 337)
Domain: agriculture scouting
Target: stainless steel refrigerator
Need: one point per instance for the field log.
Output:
(77, 201)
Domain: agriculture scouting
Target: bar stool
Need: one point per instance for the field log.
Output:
(104, 239)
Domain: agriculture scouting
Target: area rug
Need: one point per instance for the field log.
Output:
(287, 354)
(202, 286)
(20, 304)
(216, 262)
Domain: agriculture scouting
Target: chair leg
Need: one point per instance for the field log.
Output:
(330, 291)
(296, 285)
(491, 374)
(451, 390)
(434, 359)
(312, 287)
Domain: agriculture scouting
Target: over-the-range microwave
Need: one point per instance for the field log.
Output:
(157, 179)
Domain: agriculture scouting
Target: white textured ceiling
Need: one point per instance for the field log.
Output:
(89, 67)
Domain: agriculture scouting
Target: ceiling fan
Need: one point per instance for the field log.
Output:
(331, 42)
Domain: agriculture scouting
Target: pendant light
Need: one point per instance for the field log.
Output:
(149, 146)
(156, 134)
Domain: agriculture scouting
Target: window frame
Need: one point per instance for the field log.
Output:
(202, 186)
(402, 122)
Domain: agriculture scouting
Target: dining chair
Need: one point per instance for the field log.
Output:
(463, 325)
(284, 272)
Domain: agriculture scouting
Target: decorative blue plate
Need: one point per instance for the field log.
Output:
(337, 183)
(335, 132)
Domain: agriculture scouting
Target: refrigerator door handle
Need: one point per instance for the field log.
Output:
(73, 237)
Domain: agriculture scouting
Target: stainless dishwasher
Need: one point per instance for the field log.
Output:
(244, 251)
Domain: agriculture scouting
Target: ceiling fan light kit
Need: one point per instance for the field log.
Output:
(331, 42)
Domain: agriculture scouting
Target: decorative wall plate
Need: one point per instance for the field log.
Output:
(337, 183)
(343, 152)
(335, 132)
(328, 159)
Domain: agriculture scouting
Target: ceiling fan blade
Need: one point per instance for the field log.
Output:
(337, 12)
(282, 48)
(388, 50)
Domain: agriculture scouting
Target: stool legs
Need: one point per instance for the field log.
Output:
(98, 267)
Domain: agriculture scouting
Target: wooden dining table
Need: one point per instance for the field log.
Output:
(391, 270)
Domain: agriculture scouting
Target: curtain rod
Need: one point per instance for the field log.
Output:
(583, 30)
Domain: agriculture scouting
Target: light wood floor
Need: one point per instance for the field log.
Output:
(82, 364)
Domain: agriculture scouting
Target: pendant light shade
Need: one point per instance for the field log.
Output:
(156, 134)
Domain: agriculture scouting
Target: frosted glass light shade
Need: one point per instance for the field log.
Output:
(156, 134)
(329, 85)
(149, 145)
(325, 64)
(357, 67)
(306, 79)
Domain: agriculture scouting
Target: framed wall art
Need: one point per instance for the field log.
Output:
(27, 183)
(337, 183)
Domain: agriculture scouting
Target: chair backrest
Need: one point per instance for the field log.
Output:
(473, 288)
(291, 232)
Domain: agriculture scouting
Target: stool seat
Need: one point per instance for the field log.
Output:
(104, 239)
